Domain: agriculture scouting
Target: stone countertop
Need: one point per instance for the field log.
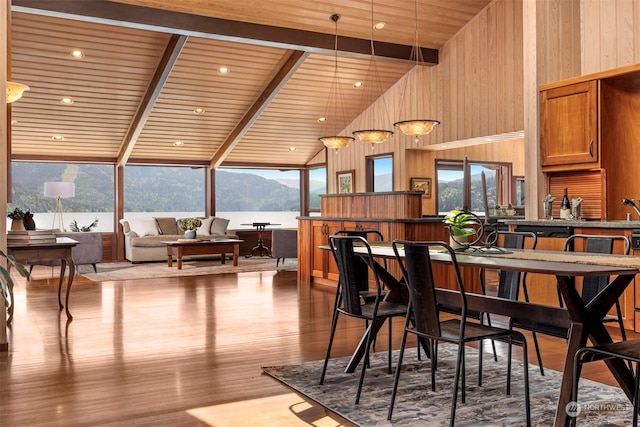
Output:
(620, 224)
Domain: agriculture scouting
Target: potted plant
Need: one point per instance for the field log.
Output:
(460, 226)
(6, 283)
(17, 218)
(189, 226)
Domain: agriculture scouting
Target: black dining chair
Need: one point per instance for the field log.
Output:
(423, 318)
(509, 282)
(625, 350)
(354, 271)
(591, 285)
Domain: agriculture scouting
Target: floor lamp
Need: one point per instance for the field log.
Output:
(59, 190)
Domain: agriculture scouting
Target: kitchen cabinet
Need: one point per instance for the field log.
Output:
(323, 266)
(569, 127)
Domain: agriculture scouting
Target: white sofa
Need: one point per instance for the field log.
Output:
(143, 237)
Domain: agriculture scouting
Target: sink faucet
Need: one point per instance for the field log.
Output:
(629, 202)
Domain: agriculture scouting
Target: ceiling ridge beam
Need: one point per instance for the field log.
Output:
(167, 61)
(293, 60)
(140, 17)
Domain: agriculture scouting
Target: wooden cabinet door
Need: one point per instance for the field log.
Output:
(568, 125)
(322, 263)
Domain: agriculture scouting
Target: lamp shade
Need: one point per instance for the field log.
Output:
(14, 91)
(59, 189)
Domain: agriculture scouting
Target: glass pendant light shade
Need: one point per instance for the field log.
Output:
(336, 142)
(14, 91)
(417, 128)
(373, 136)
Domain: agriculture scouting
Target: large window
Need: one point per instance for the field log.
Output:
(245, 196)
(317, 186)
(174, 191)
(93, 196)
(449, 178)
(380, 173)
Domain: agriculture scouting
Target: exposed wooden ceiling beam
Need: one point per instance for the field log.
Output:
(168, 60)
(103, 11)
(290, 65)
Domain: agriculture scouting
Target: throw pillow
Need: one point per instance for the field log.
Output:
(205, 228)
(167, 225)
(219, 226)
(144, 227)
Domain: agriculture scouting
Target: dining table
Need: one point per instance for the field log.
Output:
(583, 320)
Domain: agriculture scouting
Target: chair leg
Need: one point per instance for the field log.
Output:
(364, 364)
(456, 383)
(480, 351)
(538, 355)
(577, 364)
(334, 322)
(397, 376)
(527, 397)
(390, 343)
(493, 343)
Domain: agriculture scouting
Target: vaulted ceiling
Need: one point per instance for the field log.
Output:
(149, 64)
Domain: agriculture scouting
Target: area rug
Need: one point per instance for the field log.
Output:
(416, 405)
(146, 270)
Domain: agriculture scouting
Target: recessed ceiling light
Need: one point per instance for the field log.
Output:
(199, 110)
(66, 101)
(13, 122)
(223, 70)
(358, 84)
(292, 148)
(77, 54)
(57, 138)
(178, 143)
(379, 25)
(322, 119)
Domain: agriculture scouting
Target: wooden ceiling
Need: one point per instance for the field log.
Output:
(149, 64)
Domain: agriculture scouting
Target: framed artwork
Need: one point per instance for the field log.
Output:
(345, 181)
(421, 184)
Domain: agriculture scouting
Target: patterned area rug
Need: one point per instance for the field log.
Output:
(146, 270)
(416, 405)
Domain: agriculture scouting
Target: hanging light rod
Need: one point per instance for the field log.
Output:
(336, 141)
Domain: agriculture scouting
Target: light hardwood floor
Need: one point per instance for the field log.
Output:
(178, 352)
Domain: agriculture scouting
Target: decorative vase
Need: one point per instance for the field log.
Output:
(190, 234)
(17, 224)
(459, 242)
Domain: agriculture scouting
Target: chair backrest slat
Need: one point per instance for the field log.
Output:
(509, 281)
(597, 244)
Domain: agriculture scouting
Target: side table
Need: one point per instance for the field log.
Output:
(260, 246)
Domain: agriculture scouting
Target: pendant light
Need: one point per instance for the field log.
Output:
(14, 91)
(415, 127)
(335, 100)
(373, 136)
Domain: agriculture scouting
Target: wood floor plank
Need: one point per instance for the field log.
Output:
(176, 351)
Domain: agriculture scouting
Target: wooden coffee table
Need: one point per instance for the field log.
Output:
(186, 247)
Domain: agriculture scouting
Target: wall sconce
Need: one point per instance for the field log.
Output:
(14, 91)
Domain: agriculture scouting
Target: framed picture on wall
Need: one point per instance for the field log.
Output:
(421, 184)
(345, 181)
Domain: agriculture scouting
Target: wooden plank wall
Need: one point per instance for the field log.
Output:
(475, 90)
(372, 205)
(4, 144)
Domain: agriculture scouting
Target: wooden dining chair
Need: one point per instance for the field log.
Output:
(591, 285)
(423, 319)
(625, 350)
(354, 276)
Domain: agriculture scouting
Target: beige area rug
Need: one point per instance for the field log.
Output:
(146, 270)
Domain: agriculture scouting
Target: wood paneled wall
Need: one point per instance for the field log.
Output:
(372, 205)
(610, 34)
(4, 144)
(475, 90)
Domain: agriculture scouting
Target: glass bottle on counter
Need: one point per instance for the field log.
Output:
(565, 206)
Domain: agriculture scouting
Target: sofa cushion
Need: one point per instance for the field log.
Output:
(154, 241)
(167, 225)
(144, 227)
(205, 228)
(219, 226)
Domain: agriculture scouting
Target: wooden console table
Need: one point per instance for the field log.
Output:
(47, 252)
(182, 248)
